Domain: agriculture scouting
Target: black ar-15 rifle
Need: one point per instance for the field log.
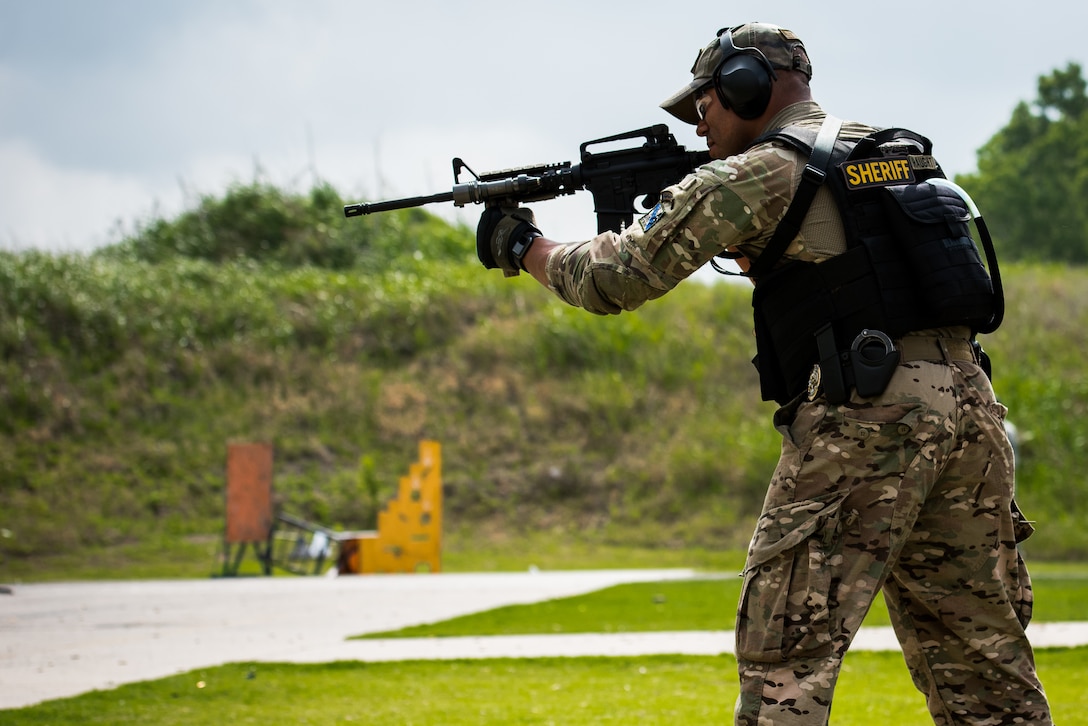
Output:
(616, 179)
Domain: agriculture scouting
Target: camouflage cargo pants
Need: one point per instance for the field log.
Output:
(910, 492)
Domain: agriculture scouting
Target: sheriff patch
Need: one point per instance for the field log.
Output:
(878, 172)
(648, 220)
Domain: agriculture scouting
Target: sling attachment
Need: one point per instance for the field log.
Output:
(812, 178)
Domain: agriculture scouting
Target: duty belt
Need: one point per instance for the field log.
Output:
(868, 365)
(933, 348)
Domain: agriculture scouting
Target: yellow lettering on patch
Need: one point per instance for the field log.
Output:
(878, 172)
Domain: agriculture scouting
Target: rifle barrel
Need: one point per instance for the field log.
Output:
(357, 210)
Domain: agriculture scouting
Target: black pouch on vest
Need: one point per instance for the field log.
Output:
(930, 227)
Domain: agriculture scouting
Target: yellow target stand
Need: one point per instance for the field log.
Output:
(409, 534)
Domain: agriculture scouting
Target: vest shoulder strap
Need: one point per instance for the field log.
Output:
(812, 178)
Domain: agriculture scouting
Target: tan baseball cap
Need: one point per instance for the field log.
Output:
(782, 48)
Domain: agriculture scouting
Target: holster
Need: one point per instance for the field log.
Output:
(867, 366)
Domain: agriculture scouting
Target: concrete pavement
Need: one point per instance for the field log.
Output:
(63, 639)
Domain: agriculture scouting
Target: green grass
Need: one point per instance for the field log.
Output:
(633, 607)
(705, 604)
(874, 689)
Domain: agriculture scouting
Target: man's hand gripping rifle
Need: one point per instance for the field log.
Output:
(616, 179)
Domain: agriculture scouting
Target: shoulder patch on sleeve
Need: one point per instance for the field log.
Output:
(651, 218)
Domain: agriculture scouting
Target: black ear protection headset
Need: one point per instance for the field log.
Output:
(743, 78)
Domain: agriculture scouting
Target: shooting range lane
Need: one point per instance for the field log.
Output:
(59, 640)
(63, 639)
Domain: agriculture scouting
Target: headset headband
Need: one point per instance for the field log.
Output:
(729, 49)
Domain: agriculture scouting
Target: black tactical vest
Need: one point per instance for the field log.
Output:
(910, 263)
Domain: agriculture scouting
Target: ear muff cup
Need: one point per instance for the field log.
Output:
(744, 85)
(743, 79)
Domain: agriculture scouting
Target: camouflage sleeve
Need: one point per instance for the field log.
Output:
(725, 204)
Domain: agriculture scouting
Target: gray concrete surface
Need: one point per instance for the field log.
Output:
(60, 640)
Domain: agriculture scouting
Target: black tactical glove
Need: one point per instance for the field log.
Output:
(503, 237)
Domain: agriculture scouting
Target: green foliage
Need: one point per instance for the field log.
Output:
(121, 382)
(1032, 176)
(369, 488)
(1039, 373)
(264, 224)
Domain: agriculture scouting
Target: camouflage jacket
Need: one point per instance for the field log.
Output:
(729, 204)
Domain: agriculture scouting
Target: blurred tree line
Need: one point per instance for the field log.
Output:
(1032, 178)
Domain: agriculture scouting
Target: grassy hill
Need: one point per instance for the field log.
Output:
(124, 374)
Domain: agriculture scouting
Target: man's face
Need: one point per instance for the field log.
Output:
(726, 133)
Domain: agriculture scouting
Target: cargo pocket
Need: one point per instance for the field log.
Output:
(1024, 603)
(784, 606)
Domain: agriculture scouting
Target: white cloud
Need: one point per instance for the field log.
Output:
(48, 207)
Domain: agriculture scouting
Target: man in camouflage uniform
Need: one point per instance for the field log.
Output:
(909, 491)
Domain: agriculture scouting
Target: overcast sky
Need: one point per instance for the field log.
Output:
(113, 111)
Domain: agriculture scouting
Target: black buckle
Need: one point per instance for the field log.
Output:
(813, 174)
